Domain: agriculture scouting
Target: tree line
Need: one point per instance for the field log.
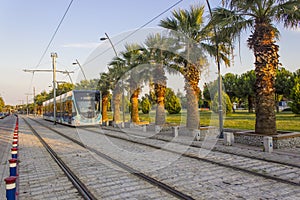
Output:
(241, 89)
(191, 39)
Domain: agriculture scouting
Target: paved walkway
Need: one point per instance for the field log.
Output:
(6, 136)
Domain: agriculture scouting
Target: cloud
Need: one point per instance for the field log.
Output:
(81, 45)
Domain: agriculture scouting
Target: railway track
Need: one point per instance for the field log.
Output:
(82, 188)
(258, 168)
(249, 164)
(191, 144)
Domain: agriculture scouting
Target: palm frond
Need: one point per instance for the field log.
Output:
(288, 13)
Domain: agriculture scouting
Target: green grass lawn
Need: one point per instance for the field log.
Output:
(239, 120)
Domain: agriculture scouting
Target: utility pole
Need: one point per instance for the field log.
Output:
(221, 135)
(27, 105)
(21, 106)
(54, 56)
(27, 112)
(34, 106)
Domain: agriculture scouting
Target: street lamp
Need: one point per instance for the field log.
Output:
(112, 45)
(54, 56)
(221, 135)
(77, 63)
(123, 97)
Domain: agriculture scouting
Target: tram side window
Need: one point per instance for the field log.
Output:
(58, 108)
(74, 113)
(97, 106)
(51, 108)
(46, 109)
(68, 107)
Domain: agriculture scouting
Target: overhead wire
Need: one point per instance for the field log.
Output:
(132, 33)
(51, 40)
(54, 34)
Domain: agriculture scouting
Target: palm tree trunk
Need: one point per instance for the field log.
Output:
(135, 106)
(266, 62)
(117, 99)
(192, 77)
(160, 91)
(104, 106)
(160, 117)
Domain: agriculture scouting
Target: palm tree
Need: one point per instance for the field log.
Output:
(117, 73)
(259, 17)
(157, 46)
(104, 86)
(186, 25)
(129, 59)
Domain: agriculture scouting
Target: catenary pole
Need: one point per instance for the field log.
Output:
(54, 56)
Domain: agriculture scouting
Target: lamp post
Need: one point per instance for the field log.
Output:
(219, 78)
(77, 63)
(112, 45)
(123, 97)
(54, 56)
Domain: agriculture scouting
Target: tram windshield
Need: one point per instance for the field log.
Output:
(88, 103)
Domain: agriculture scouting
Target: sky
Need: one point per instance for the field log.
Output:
(26, 28)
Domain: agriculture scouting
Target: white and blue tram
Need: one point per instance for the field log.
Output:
(75, 108)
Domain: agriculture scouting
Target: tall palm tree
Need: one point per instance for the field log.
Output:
(117, 73)
(104, 86)
(186, 25)
(157, 47)
(129, 59)
(259, 16)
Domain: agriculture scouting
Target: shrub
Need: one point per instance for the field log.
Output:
(295, 106)
(226, 103)
(146, 105)
(172, 102)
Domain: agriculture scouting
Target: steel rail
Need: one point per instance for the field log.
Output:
(129, 169)
(214, 162)
(82, 189)
(214, 150)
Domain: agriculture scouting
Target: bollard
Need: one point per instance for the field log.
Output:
(196, 134)
(11, 187)
(227, 139)
(13, 167)
(145, 128)
(175, 131)
(122, 124)
(15, 144)
(157, 128)
(232, 138)
(15, 139)
(268, 144)
(14, 152)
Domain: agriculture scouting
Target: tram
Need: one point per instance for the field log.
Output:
(75, 108)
